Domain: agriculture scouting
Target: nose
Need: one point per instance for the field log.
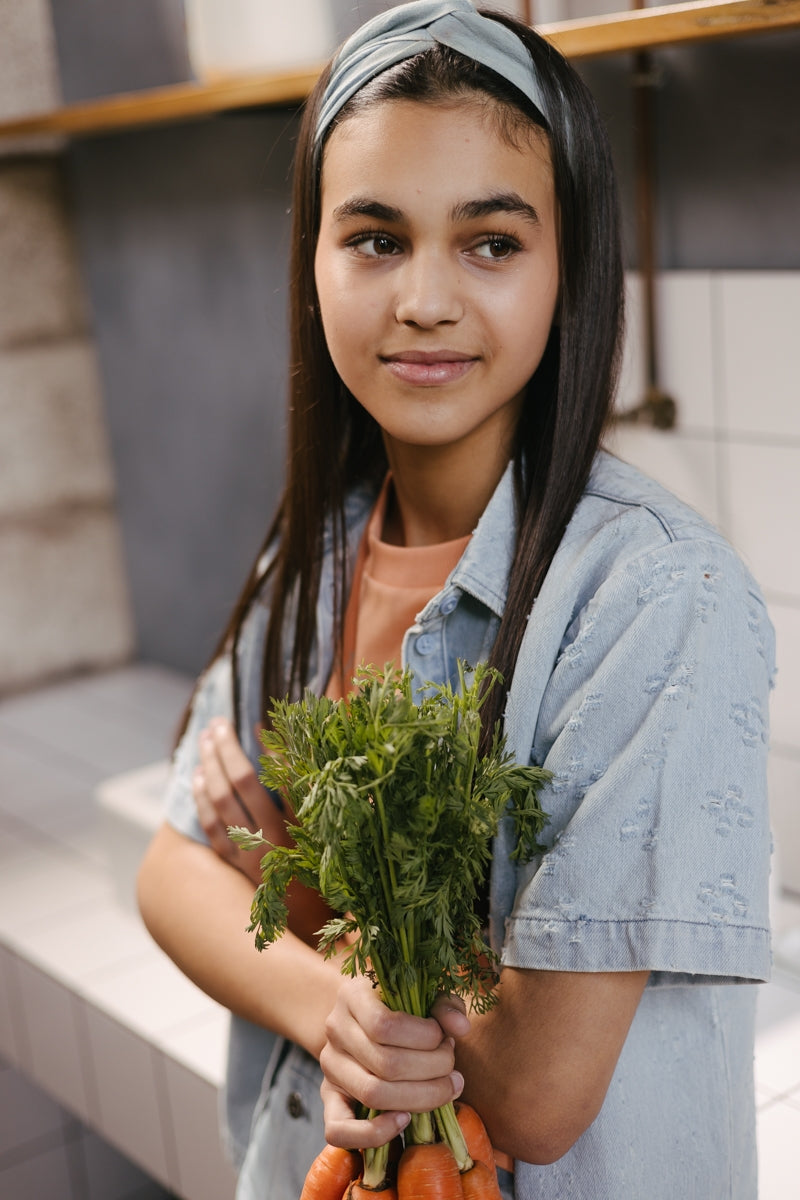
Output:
(429, 291)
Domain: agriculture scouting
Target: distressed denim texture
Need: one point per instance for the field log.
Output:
(642, 685)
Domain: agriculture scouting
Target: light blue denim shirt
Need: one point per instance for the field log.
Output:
(642, 685)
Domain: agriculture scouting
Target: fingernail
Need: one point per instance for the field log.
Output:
(403, 1119)
(457, 1080)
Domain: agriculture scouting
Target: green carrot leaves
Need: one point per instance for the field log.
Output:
(396, 811)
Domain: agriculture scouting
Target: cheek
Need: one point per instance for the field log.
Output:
(335, 292)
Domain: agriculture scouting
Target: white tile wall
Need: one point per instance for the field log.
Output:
(684, 307)
(132, 1108)
(728, 348)
(57, 1060)
(758, 322)
(763, 500)
(684, 463)
(195, 1114)
(27, 1113)
(779, 1133)
(786, 700)
(784, 788)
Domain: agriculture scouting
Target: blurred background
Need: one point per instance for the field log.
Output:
(142, 393)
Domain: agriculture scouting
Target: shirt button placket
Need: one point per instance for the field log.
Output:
(425, 644)
(426, 654)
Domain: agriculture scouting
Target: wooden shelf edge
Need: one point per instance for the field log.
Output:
(675, 24)
(176, 102)
(614, 33)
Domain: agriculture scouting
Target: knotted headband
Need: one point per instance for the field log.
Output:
(409, 29)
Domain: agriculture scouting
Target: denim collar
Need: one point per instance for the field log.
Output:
(484, 567)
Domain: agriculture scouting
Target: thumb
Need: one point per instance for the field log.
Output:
(451, 1013)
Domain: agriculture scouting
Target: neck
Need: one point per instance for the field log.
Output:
(438, 495)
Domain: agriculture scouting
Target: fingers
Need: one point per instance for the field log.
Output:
(227, 792)
(386, 1060)
(343, 1128)
(230, 775)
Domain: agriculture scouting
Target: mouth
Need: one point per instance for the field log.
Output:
(429, 368)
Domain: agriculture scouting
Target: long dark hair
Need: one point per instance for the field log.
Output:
(334, 444)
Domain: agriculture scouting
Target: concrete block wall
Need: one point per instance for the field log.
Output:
(28, 72)
(63, 592)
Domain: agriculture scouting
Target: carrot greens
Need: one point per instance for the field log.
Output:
(396, 809)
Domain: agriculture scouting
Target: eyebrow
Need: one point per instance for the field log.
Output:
(361, 206)
(467, 210)
(498, 202)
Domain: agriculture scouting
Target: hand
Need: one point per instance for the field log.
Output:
(227, 792)
(388, 1061)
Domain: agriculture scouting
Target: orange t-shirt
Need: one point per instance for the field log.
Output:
(391, 584)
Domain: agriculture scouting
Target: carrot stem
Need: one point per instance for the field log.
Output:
(451, 1132)
(422, 1129)
(376, 1162)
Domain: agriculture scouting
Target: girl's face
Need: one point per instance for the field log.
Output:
(437, 270)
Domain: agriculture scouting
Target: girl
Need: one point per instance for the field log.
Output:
(456, 310)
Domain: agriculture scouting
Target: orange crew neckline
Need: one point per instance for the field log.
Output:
(391, 585)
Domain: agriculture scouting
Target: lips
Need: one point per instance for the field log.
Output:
(429, 368)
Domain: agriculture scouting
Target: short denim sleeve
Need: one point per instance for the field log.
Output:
(654, 726)
(213, 698)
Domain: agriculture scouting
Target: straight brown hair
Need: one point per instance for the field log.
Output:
(334, 445)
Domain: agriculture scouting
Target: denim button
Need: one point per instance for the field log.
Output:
(295, 1105)
(425, 644)
(448, 604)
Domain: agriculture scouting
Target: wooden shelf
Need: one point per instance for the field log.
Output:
(676, 24)
(615, 33)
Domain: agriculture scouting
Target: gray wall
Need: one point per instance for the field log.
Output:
(107, 46)
(727, 150)
(184, 236)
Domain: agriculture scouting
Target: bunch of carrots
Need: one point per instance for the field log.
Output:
(426, 1171)
(396, 807)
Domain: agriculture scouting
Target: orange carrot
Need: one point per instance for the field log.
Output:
(474, 1132)
(429, 1172)
(361, 1191)
(330, 1173)
(480, 1182)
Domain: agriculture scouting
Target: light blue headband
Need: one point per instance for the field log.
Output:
(409, 29)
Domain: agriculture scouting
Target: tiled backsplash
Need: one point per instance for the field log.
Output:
(728, 345)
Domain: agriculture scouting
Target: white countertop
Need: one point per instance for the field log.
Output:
(90, 1008)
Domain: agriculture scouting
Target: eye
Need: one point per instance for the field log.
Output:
(374, 245)
(497, 247)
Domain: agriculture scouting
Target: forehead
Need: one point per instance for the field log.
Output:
(407, 145)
